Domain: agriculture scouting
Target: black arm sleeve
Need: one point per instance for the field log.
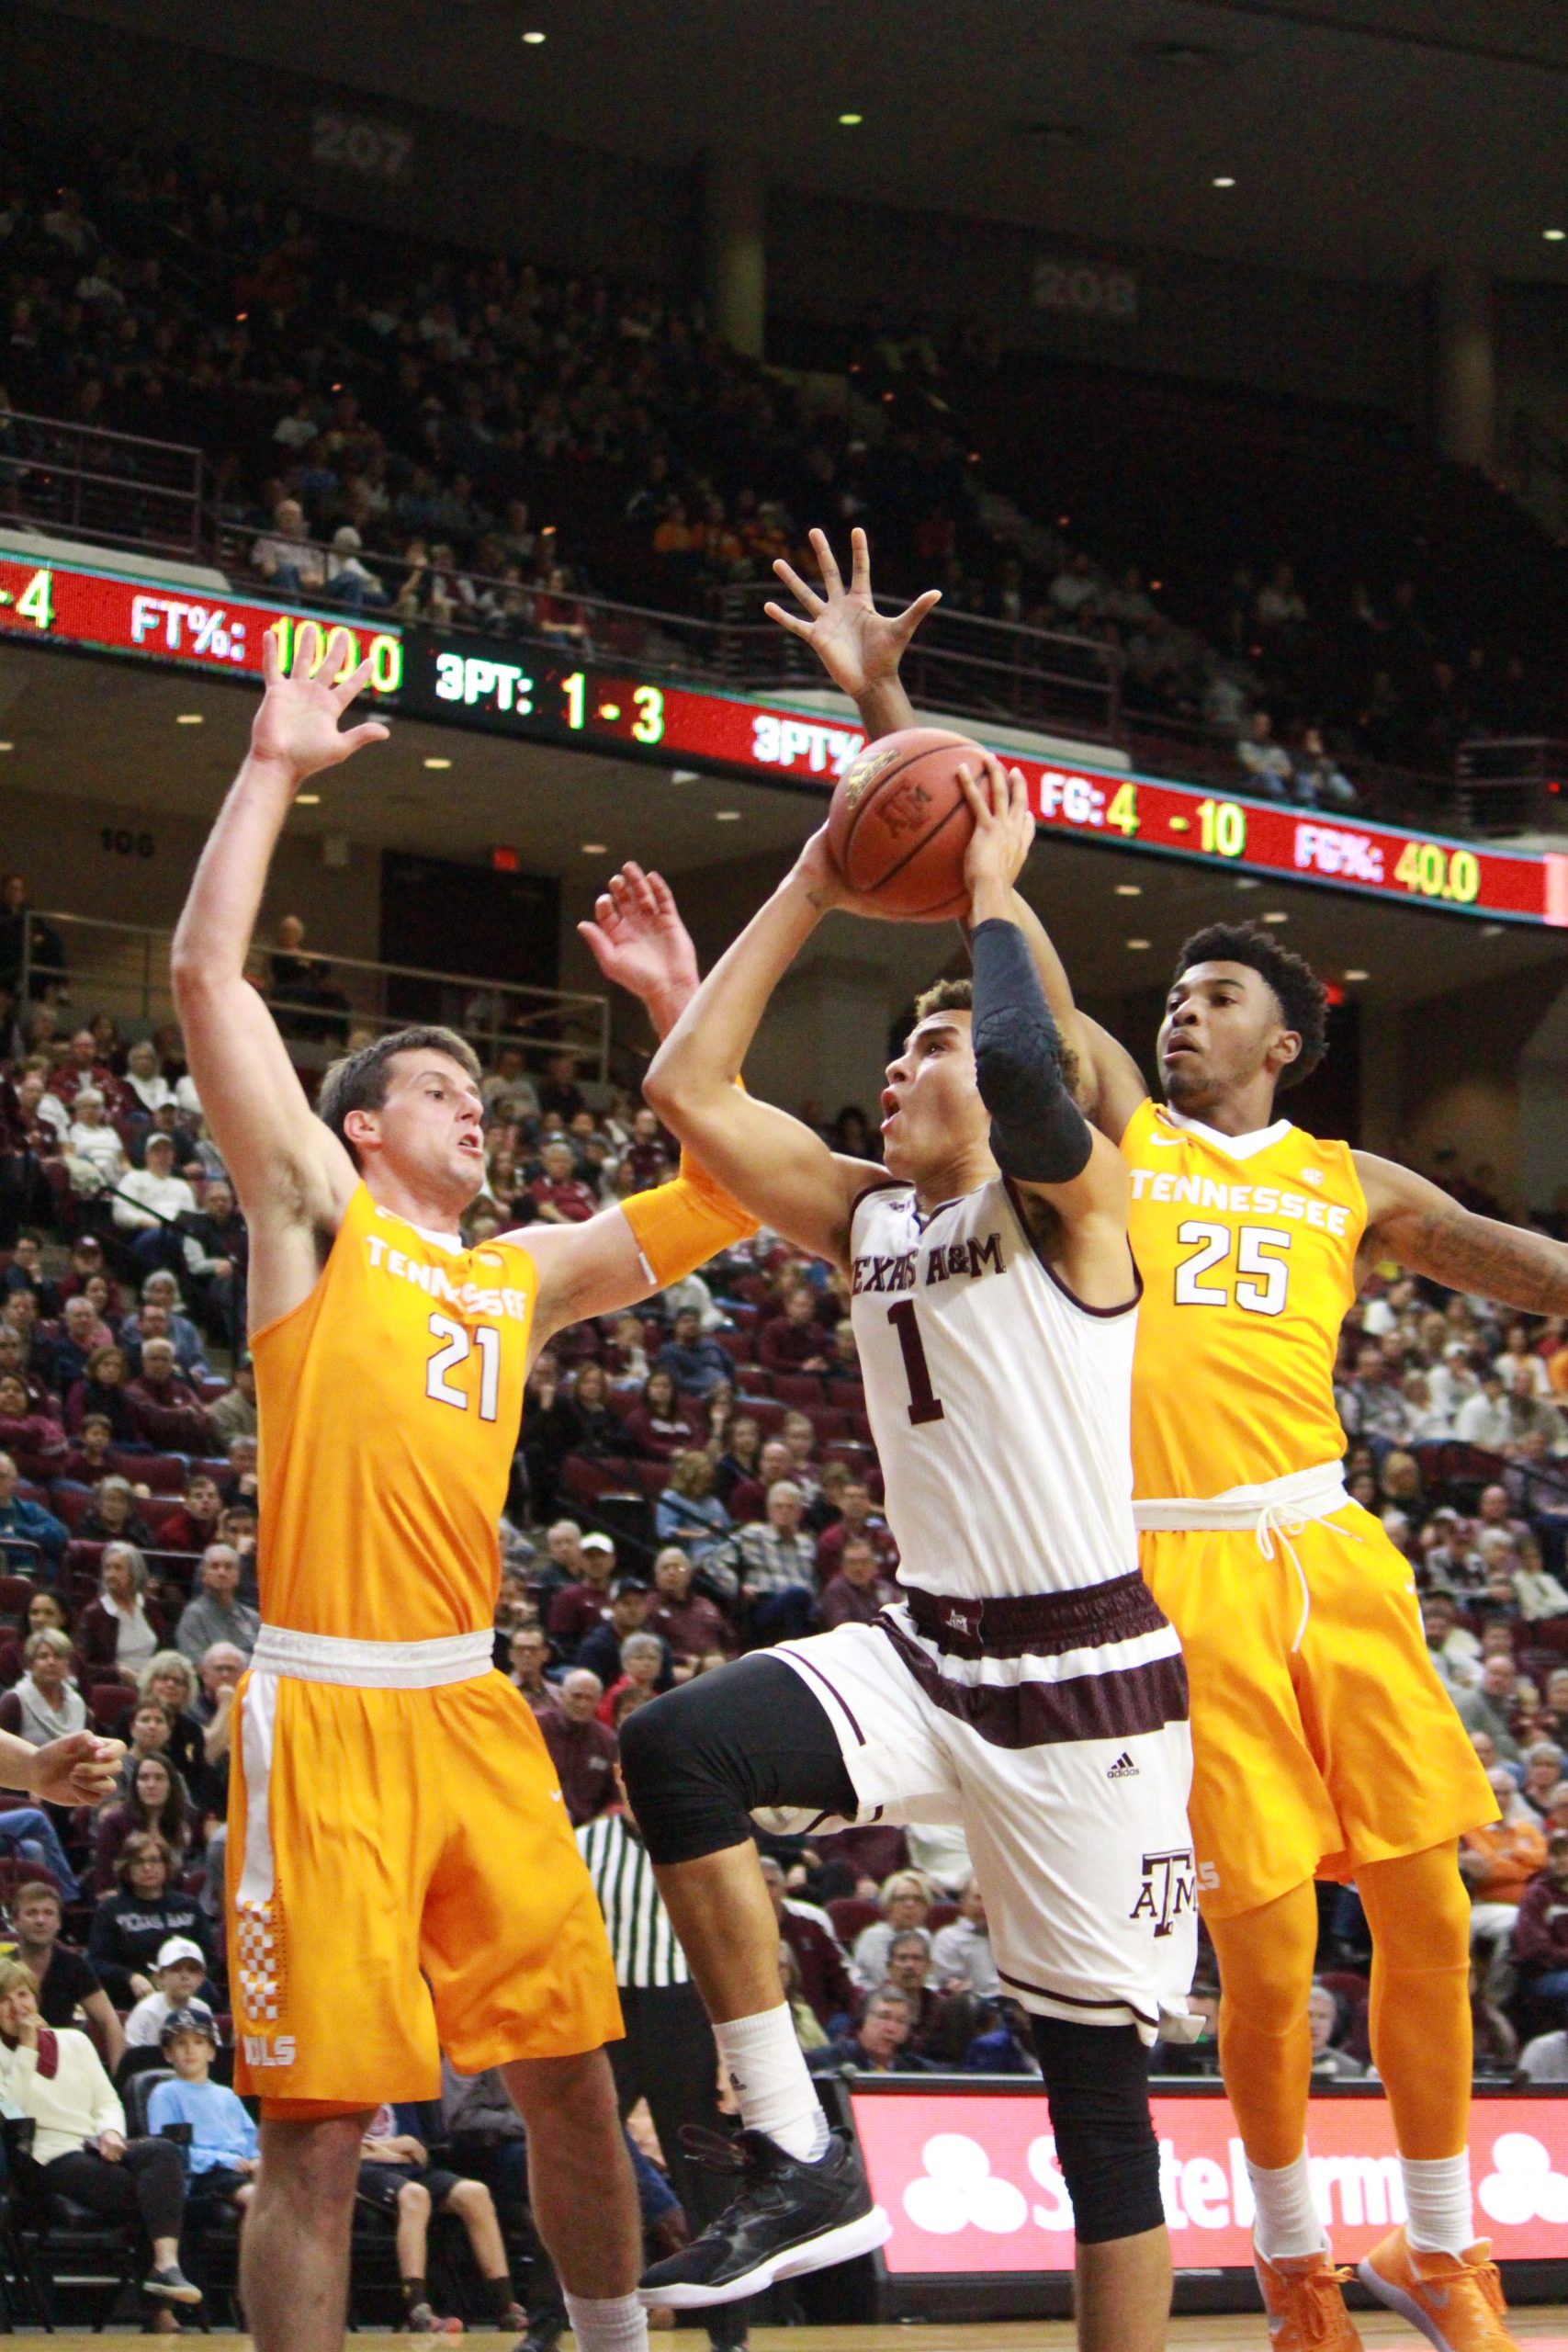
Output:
(1038, 1133)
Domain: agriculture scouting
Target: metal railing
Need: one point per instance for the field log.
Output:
(122, 968)
(81, 482)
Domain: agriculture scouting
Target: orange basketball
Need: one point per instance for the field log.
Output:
(900, 825)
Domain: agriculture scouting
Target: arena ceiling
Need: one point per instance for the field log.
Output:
(1365, 138)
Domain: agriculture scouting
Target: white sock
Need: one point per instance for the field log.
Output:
(610, 2324)
(1436, 2201)
(1287, 2225)
(764, 2061)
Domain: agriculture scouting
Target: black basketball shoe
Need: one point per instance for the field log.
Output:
(786, 2218)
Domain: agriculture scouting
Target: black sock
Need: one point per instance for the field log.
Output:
(500, 2295)
(415, 2292)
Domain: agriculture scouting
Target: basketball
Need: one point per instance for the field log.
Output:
(900, 825)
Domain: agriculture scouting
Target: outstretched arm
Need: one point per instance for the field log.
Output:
(861, 649)
(293, 1177)
(779, 1167)
(639, 941)
(1413, 1221)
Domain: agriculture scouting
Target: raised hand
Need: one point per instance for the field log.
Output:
(296, 726)
(1004, 831)
(858, 646)
(640, 943)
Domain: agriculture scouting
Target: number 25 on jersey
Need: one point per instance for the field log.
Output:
(1258, 1281)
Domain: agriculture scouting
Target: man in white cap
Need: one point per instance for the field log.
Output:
(178, 1976)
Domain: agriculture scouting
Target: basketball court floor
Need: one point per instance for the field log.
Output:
(1543, 2330)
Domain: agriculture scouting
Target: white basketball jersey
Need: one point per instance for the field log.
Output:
(1001, 1406)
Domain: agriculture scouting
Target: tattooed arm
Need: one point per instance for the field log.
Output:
(1409, 1219)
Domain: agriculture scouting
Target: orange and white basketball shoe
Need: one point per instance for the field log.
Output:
(1306, 2309)
(1456, 2299)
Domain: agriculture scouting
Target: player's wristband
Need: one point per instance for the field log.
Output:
(679, 1225)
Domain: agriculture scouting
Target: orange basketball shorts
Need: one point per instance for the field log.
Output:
(402, 1881)
(1321, 1738)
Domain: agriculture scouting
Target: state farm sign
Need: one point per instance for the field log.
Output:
(971, 2183)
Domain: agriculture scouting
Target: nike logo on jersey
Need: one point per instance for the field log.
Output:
(1167, 1143)
(556, 1797)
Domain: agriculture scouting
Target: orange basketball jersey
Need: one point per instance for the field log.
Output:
(389, 1402)
(1246, 1245)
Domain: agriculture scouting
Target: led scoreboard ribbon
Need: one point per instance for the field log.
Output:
(560, 700)
(57, 605)
(548, 695)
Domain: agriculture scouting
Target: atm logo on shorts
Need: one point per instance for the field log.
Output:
(1169, 1890)
(270, 2049)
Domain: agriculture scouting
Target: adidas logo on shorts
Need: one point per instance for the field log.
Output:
(1123, 1769)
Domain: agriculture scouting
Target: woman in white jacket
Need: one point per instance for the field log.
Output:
(56, 2077)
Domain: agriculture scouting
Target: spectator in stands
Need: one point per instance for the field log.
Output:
(1488, 1707)
(131, 1927)
(582, 1750)
(601, 1648)
(906, 1902)
(1485, 1420)
(1328, 2023)
(645, 1665)
(800, 1441)
(165, 1407)
(578, 1607)
(795, 1339)
(118, 1634)
(78, 1333)
(696, 1629)
(528, 1653)
(161, 1297)
(44, 1704)
(65, 1979)
(1265, 764)
(1540, 1932)
(656, 1425)
(808, 1932)
(1498, 1862)
(195, 1525)
(287, 560)
(581, 1420)
(149, 1200)
(169, 1681)
(157, 1804)
(778, 1569)
(858, 1593)
(103, 1391)
(962, 1959)
(216, 1614)
(233, 1414)
(879, 2045)
(689, 1514)
(397, 2177)
(696, 1364)
(86, 1067)
(858, 1521)
(1544, 1777)
(45, 1607)
(558, 1193)
(224, 2148)
(739, 1461)
(32, 1538)
(112, 1517)
(1454, 1651)
(178, 1974)
(55, 2077)
(95, 1156)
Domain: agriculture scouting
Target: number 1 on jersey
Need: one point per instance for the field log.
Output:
(923, 1404)
(457, 1347)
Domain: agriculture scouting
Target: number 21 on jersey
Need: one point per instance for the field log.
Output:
(457, 1346)
(1260, 1280)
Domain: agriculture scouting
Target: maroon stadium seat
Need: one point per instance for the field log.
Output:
(109, 1703)
(852, 1915)
(165, 1474)
(801, 1389)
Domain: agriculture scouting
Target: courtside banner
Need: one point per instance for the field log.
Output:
(971, 2184)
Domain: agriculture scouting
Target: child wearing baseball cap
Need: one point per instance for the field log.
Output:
(178, 1975)
(224, 2144)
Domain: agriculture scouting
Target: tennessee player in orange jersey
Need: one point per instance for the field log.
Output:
(1323, 1744)
(403, 1878)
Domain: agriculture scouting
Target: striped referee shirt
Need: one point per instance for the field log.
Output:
(642, 1940)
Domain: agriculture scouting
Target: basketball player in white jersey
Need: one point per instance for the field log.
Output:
(1024, 1685)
